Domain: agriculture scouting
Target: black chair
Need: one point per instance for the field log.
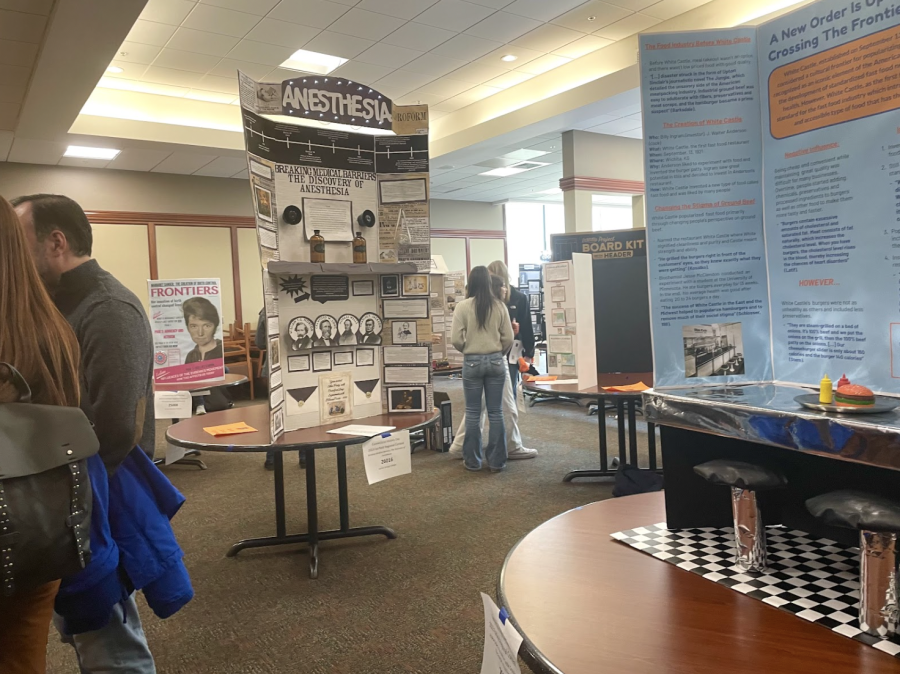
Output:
(878, 521)
(745, 479)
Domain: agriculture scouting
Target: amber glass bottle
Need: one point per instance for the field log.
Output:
(359, 249)
(316, 247)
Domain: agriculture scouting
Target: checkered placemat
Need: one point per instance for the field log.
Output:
(815, 579)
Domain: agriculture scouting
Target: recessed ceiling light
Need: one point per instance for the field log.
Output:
(83, 152)
(313, 62)
(552, 190)
(115, 69)
(509, 58)
(592, 18)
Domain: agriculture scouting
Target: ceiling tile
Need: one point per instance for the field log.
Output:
(667, 9)
(336, 44)
(508, 80)
(541, 9)
(282, 74)
(523, 56)
(222, 167)
(476, 93)
(445, 87)
(466, 47)
(132, 52)
(225, 85)
(201, 42)
(145, 87)
(454, 15)
(634, 133)
(243, 175)
(36, 151)
(283, 33)
(9, 113)
(368, 25)
(401, 82)
(15, 76)
(317, 13)
(131, 159)
(503, 27)
(627, 26)
(12, 94)
(418, 36)
(419, 97)
(183, 162)
(633, 5)
(258, 7)
(83, 163)
(21, 27)
(150, 32)
(222, 21)
(13, 53)
(185, 60)
(388, 55)
(402, 9)
(494, 4)
(450, 105)
(616, 126)
(584, 45)
(543, 64)
(435, 65)
(28, 6)
(210, 96)
(260, 52)
(229, 68)
(172, 12)
(357, 71)
(476, 73)
(6, 141)
(175, 78)
(591, 16)
(547, 38)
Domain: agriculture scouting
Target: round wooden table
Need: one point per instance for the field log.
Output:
(585, 604)
(189, 434)
(625, 404)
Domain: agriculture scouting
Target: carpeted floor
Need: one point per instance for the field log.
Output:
(408, 605)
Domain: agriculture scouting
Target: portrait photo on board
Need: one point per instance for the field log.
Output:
(390, 285)
(326, 331)
(370, 326)
(263, 203)
(403, 332)
(349, 327)
(300, 334)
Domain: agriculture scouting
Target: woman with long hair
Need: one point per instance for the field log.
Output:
(482, 333)
(37, 341)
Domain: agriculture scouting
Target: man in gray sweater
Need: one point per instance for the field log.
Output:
(117, 381)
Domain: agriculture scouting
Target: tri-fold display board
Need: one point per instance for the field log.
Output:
(346, 340)
(569, 315)
(772, 162)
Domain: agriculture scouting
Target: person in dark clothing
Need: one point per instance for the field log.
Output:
(520, 315)
(117, 396)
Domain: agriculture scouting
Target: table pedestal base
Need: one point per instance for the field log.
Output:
(185, 461)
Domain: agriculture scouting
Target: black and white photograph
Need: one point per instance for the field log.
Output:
(343, 358)
(278, 420)
(274, 354)
(403, 332)
(300, 334)
(298, 363)
(363, 288)
(713, 350)
(321, 361)
(534, 301)
(263, 203)
(370, 326)
(365, 357)
(552, 360)
(406, 399)
(326, 331)
(390, 285)
(415, 285)
(534, 286)
(348, 325)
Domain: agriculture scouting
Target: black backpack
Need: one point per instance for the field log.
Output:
(45, 490)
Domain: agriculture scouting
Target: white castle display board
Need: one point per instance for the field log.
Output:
(346, 341)
(569, 316)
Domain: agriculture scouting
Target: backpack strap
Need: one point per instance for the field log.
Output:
(19, 382)
(8, 536)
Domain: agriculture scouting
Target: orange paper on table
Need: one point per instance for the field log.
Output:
(630, 388)
(544, 377)
(230, 429)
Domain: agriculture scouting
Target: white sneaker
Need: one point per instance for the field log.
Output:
(200, 410)
(521, 453)
(455, 453)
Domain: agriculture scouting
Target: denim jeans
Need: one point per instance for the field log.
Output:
(484, 373)
(510, 423)
(119, 647)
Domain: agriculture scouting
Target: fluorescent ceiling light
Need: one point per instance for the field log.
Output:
(115, 69)
(552, 190)
(509, 58)
(313, 62)
(503, 172)
(83, 152)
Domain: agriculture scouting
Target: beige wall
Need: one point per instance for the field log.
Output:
(598, 155)
(111, 190)
(450, 214)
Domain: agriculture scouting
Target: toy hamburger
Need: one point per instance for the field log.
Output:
(853, 395)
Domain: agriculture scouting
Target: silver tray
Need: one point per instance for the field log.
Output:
(811, 401)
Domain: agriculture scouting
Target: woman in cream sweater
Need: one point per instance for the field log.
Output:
(482, 333)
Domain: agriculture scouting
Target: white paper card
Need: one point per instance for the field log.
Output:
(174, 453)
(501, 642)
(172, 404)
(387, 457)
(362, 430)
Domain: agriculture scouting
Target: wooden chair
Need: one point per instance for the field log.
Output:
(237, 353)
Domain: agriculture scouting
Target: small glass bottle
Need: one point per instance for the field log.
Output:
(316, 247)
(359, 249)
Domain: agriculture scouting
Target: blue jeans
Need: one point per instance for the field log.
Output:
(119, 647)
(484, 373)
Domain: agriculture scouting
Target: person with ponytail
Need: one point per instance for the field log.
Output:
(483, 334)
(37, 341)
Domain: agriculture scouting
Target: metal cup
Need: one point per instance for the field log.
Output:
(878, 609)
(749, 531)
